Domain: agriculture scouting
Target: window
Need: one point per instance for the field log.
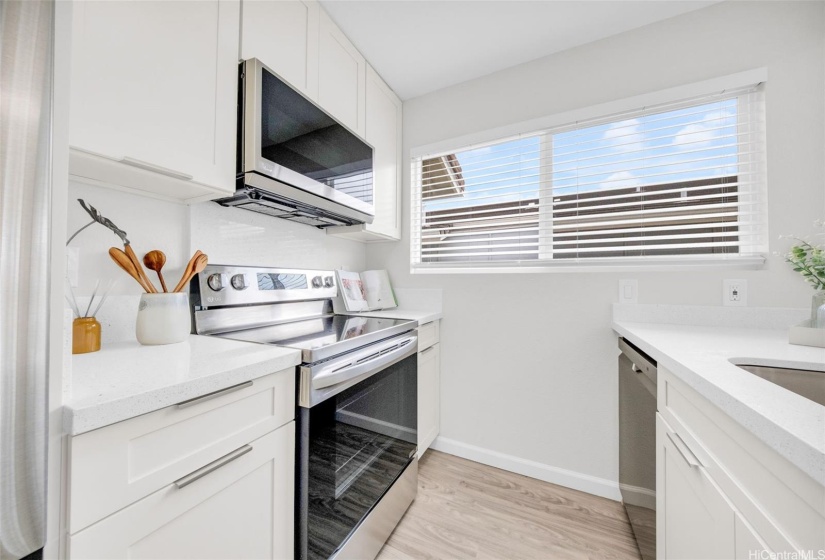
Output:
(672, 183)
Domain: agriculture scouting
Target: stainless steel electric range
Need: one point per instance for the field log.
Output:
(356, 418)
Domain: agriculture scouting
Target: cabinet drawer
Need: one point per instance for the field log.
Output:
(242, 509)
(117, 465)
(428, 334)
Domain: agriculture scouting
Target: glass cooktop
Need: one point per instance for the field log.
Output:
(326, 336)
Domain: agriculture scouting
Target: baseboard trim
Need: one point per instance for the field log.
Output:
(563, 477)
(638, 496)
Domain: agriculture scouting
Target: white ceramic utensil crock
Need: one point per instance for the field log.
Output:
(163, 318)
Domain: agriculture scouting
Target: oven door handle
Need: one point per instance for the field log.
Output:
(375, 360)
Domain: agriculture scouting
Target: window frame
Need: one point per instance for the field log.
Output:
(607, 112)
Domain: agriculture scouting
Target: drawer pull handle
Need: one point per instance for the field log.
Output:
(427, 350)
(214, 394)
(212, 467)
(156, 168)
(684, 450)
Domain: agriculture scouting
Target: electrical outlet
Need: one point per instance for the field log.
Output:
(735, 292)
(628, 291)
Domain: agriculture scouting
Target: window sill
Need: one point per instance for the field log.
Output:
(649, 264)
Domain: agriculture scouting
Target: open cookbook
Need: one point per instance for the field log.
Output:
(366, 291)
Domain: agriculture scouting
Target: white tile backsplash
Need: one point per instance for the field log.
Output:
(117, 317)
(241, 237)
(149, 224)
(226, 235)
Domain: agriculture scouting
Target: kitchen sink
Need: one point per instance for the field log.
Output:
(804, 382)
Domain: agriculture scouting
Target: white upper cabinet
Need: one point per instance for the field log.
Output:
(284, 36)
(153, 96)
(384, 133)
(384, 113)
(341, 76)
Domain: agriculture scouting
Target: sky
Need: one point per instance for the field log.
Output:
(685, 144)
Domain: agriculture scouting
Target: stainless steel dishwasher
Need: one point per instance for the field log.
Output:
(637, 444)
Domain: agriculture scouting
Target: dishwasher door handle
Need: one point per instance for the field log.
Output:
(640, 361)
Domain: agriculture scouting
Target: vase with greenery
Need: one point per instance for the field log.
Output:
(808, 260)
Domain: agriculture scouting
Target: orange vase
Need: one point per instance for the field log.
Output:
(85, 335)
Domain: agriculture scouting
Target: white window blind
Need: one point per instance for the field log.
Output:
(673, 183)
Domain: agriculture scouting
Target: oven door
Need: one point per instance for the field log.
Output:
(352, 448)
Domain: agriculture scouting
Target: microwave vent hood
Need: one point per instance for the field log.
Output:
(295, 161)
(271, 203)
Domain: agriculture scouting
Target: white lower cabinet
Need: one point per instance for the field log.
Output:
(698, 520)
(429, 385)
(721, 492)
(210, 477)
(243, 509)
(747, 544)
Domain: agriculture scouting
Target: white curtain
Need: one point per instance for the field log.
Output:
(26, 30)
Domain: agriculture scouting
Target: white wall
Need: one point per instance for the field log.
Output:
(528, 360)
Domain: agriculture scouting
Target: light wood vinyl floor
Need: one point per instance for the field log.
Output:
(469, 510)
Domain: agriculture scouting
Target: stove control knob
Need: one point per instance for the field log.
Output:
(239, 282)
(317, 282)
(215, 282)
(328, 282)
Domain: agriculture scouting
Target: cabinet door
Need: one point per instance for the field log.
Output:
(243, 509)
(284, 36)
(748, 544)
(695, 519)
(341, 76)
(384, 133)
(154, 83)
(429, 396)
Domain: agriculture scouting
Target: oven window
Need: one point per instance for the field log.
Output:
(299, 136)
(360, 441)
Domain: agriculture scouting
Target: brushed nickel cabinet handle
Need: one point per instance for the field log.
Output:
(427, 350)
(214, 394)
(156, 168)
(212, 467)
(684, 450)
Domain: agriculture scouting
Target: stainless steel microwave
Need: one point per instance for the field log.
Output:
(295, 161)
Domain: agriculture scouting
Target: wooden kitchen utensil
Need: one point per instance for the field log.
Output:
(127, 248)
(154, 260)
(196, 264)
(124, 262)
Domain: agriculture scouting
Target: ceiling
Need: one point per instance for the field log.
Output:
(420, 46)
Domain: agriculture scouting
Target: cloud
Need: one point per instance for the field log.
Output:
(621, 180)
(624, 136)
(702, 134)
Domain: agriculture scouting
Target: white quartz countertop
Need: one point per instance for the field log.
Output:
(422, 317)
(702, 356)
(126, 379)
